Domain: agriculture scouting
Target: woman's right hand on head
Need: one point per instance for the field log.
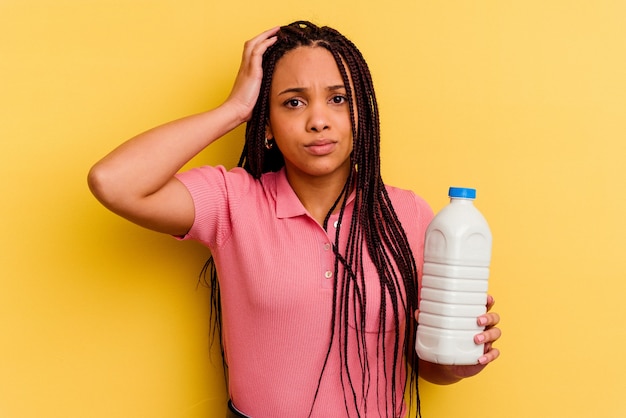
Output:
(247, 85)
(136, 180)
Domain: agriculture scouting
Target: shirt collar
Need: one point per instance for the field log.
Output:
(287, 203)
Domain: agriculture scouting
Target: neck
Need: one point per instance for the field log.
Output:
(318, 194)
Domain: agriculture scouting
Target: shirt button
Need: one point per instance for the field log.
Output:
(327, 246)
(335, 224)
(328, 274)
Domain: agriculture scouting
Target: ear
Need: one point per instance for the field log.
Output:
(268, 131)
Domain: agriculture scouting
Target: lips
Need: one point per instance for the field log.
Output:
(321, 147)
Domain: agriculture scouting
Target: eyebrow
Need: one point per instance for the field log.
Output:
(303, 89)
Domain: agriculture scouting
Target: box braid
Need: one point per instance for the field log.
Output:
(374, 221)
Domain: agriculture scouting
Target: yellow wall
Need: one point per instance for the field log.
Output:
(525, 100)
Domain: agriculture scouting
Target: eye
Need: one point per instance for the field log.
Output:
(293, 103)
(339, 99)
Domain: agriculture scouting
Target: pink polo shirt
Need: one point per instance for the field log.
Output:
(275, 266)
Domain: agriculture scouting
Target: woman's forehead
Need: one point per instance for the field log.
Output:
(306, 65)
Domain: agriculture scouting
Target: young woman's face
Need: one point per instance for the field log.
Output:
(310, 114)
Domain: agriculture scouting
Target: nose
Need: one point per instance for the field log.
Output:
(318, 119)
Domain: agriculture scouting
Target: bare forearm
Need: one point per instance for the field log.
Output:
(136, 180)
(144, 164)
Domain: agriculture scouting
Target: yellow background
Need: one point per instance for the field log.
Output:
(524, 100)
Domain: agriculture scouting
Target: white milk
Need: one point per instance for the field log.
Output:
(457, 253)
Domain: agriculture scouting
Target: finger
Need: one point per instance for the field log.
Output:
(488, 320)
(488, 336)
(256, 53)
(489, 356)
(252, 59)
(245, 90)
(266, 34)
(262, 40)
(490, 302)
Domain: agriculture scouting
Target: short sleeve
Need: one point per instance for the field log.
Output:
(216, 194)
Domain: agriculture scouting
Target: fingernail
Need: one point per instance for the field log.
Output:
(482, 360)
(480, 338)
(482, 320)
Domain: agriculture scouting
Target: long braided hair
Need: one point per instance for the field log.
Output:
(373, 228)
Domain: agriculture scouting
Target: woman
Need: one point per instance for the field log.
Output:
(317, 259)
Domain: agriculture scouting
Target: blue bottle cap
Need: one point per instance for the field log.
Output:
(462, 193)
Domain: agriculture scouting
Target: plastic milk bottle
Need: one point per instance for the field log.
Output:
(457, 253)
